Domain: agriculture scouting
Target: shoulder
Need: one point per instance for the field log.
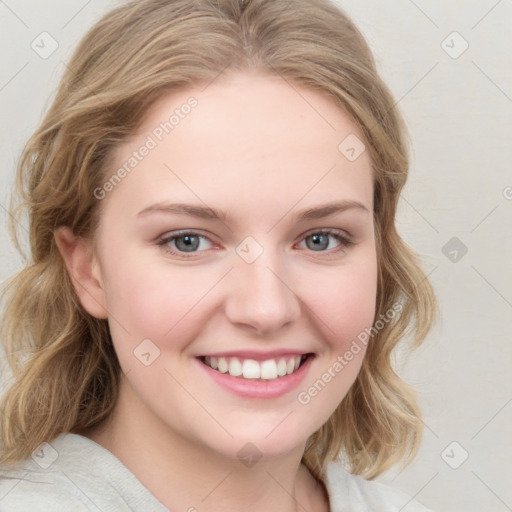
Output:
(353, 493)
(73, 473)
(22, 490)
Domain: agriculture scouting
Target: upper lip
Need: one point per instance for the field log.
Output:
(258, 356)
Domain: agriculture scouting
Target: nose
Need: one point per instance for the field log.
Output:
(260, 297)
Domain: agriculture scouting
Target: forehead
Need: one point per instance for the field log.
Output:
(244, 139)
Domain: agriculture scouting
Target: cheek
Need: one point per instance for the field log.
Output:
(344, 302)
(157, 302)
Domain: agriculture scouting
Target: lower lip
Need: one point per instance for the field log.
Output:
(251, 388)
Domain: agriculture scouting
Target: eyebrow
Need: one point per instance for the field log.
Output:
(205, 212)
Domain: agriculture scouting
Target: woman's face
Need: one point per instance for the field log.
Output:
(260, 283)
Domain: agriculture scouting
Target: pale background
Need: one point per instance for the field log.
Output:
(458, 107)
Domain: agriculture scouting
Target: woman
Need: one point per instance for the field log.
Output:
(217, 282)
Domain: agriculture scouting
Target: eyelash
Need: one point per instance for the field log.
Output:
(344, 240)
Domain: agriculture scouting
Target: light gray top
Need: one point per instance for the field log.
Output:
(75, 474)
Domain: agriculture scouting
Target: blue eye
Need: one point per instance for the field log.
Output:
(185, 242)
(190, 242)
(320, 240)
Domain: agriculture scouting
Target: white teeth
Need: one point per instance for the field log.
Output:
(269, 369)
(235, 367)
(250, 369)
(281, 367)
(223, 365)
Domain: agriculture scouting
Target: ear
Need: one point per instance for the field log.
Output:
(83, 269)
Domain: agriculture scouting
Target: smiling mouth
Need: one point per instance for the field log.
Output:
(270, 369)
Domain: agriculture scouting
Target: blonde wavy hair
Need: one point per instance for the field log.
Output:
(65, 370)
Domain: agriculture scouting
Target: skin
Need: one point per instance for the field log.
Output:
(259, 150)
